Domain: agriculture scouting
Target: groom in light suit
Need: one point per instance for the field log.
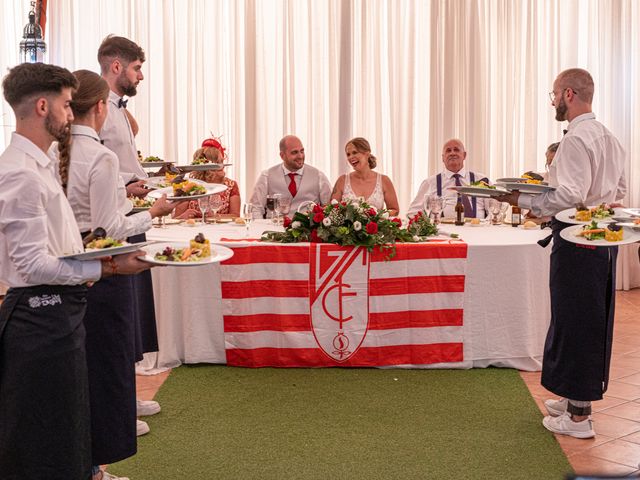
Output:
(292, 179)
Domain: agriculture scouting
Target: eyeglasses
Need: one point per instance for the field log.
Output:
(552, 94)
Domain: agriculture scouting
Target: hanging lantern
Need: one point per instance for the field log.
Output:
(32, 46)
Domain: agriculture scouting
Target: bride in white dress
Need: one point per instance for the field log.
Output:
(376, 189)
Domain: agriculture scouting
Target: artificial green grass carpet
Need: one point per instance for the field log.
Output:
(222, 422)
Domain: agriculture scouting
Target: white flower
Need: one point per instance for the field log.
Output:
(326, 221)
(296, 224)
(357, 226)
(334, 202)
(385, 215)
(416, 238)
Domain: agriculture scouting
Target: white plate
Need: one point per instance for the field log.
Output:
(107, 252)
(162, 182)
(531, 188)
(139, 209)
(564, 215)
(219, 253)
(569, 234)
(202, 167)
(212, 189)
(481, 192)
(631, 211)
(154, 164)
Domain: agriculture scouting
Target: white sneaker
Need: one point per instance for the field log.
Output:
(556, 407)
(144, 408)
(565, 426)
(107, 476)
(142, 428)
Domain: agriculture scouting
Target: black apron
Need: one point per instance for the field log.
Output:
(577, 351)
(109, 323)
(44, 394)
(143, 308)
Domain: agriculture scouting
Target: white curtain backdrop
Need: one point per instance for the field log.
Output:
(406, 74)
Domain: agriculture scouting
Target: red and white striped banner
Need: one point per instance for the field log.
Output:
(321, 305)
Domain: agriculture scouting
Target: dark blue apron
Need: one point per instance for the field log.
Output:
(44, 394)
(577, 351)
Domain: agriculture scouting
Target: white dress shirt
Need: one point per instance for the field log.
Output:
(36, 222)
(429, 187)
(118, 137)
(311, 183)
(96, 191)
(588, 168)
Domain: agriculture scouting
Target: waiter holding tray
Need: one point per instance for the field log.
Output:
(588, 169)
(44, 403)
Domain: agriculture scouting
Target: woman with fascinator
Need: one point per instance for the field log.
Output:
(212, 151)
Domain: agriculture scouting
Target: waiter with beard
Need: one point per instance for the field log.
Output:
(588, 168)
(44, 404)
(121, 62)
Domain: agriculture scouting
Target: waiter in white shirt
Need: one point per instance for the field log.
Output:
(121, 62)
(121, 66)
(588, 168)
(454, 174)
(291, 179)
(44, 405)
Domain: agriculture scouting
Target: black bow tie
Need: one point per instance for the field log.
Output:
(122, 103)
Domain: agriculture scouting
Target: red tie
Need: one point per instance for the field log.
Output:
(293, 189)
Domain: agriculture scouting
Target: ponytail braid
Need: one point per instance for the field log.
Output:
(64, 149)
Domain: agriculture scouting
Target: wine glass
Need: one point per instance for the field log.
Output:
(436, 204)
(284, 205)
(426, 205)
(270, 205)
(247, 216)
(494, 208)
(504, 206)
(215, 204)
(204, 206)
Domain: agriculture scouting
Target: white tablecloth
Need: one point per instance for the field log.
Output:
(506, 301)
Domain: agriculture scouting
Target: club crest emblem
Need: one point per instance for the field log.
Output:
(339, 288)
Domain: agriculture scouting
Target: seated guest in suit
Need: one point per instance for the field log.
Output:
(376, 189)
(213, 152)
(454, 174)
(292, 179)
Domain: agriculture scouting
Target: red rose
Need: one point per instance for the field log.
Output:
(318, 217)
(372, 212)
(397, 221)
(286, 222)
(317, 209)
(372, 227)
(336, 205)
(314, 238)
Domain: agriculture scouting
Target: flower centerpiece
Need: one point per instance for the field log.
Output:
(346, 223)
(420, 226)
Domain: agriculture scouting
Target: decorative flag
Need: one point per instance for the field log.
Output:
(41, 14)
(322, 305)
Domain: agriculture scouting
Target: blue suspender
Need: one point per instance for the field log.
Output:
(473, 199)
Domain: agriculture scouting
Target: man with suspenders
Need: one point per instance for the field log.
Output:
(454, 174)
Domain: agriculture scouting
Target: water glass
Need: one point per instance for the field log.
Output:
(436, 205)
(284, 206)
(215, 204)
(247, 216)
(204, 206)
(272, 205)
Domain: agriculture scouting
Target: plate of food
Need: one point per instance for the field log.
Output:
(105, 247)
(481, 189)
(527, 177)
(151, 162)
(600, 235)
(199, 251)
(141, 204)
(524, 187)
(634, 212)
(198, 167)
(584, 215)
(166, 180)
(188, 190)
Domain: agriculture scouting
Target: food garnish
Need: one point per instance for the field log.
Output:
(611, 233)
(533, 178)
(100, 243)
(200, 161)
(482, 184)
(187, 189)
(152, 159)
(141, 202)
(199, 248)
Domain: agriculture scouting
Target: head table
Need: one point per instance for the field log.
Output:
(504, 302)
